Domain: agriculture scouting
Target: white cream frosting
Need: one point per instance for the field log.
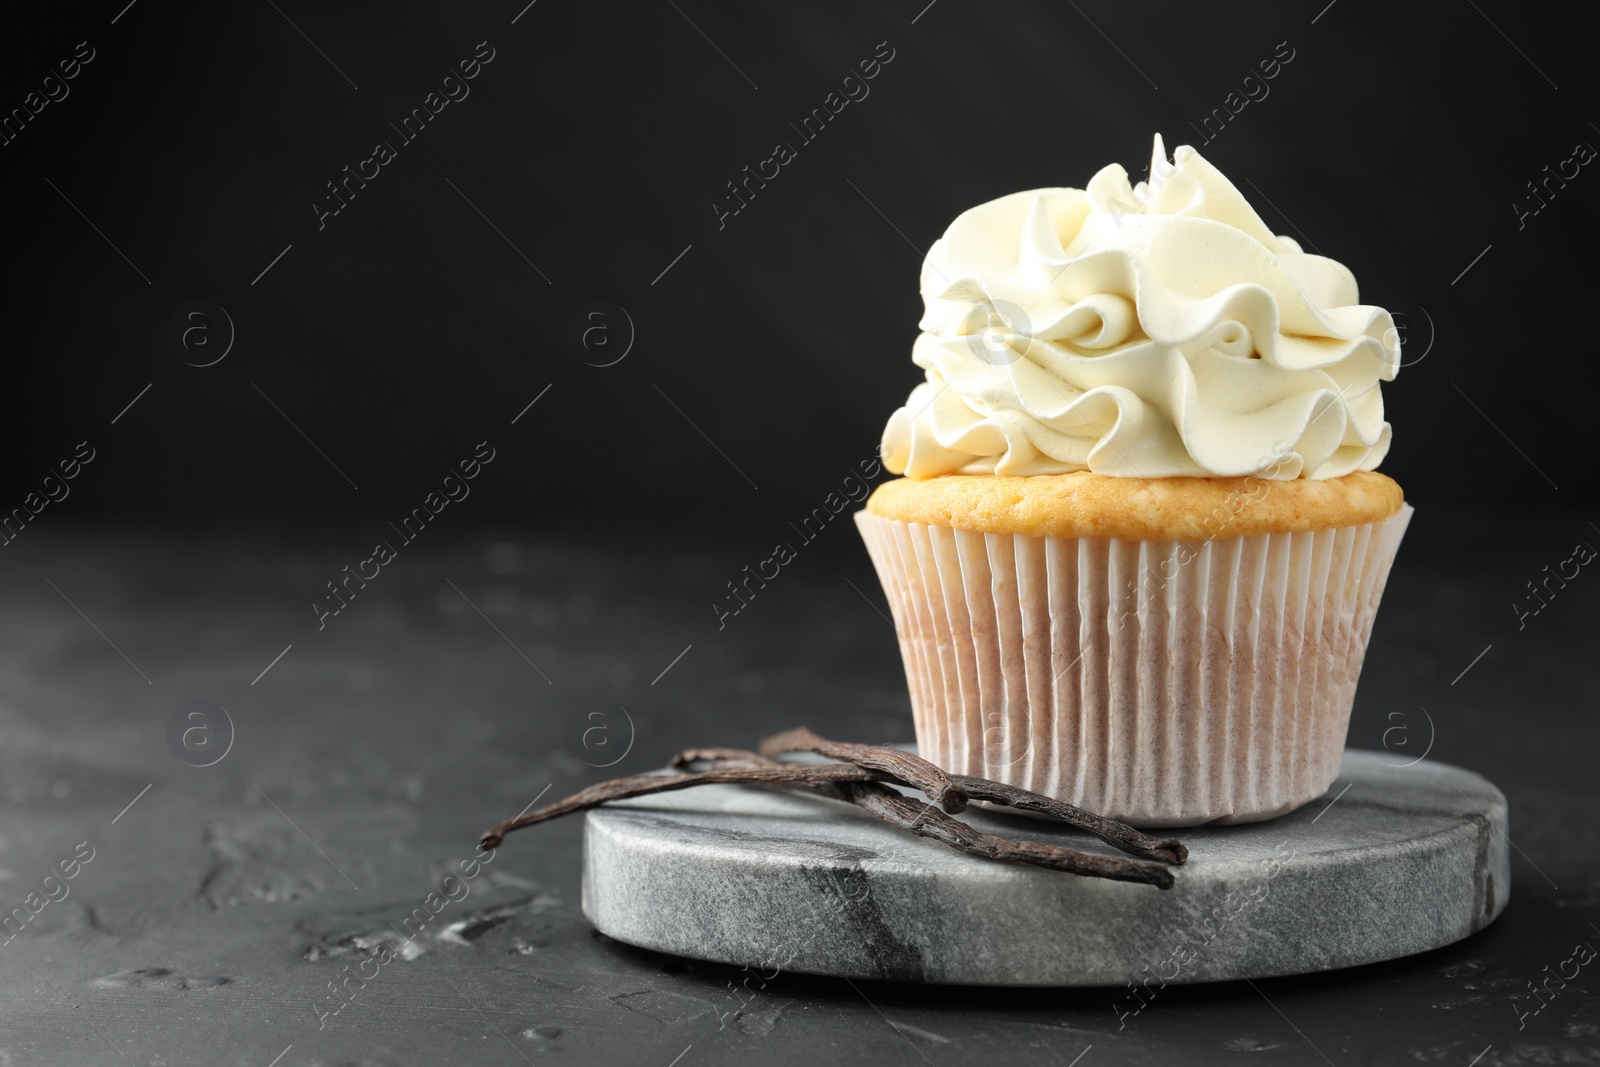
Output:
(1151, 331)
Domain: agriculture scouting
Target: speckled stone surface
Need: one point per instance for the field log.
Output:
(1394, 860)
(211, 922)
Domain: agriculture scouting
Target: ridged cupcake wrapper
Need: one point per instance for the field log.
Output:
(1165, 683)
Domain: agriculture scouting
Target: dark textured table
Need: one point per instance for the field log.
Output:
(219, 906)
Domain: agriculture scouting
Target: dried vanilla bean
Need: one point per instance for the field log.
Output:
(724, 758)
(864, 778)
(1116, 834)
(925, 820)
(639, 785)
(913, 771)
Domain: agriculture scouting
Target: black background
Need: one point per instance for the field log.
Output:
(194, 555)
(407, 330)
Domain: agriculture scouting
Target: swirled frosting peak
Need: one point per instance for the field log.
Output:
(1149, 330)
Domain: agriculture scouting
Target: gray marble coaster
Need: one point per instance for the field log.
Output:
(1394, 860)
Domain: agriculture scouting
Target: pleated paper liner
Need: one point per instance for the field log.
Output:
(1164, 683)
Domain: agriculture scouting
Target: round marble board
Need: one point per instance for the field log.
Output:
(1393, 860)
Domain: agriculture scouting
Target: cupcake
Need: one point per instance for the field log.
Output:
(1139, 541)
